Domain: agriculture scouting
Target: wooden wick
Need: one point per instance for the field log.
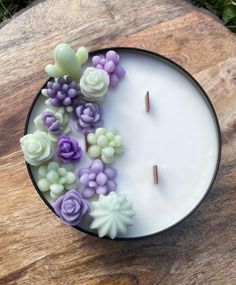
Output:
(155, 174)
(147, 102)
(86, 142)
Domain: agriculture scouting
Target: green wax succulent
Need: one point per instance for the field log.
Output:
(112, 215)
(56, 179)
(67, 62)
(105, 143)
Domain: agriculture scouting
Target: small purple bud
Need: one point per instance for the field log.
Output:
(60, 95)
(51, 93)
(73, 85)
(103, 61)
(55, 102)
(69, 79)
(109, 66)
(96, 60)
(119, 72)
(101, 179)
(113, 80)
(61, 81)
(92, 184)
(72, 93)
(49, 84)
(101, 190)
(84, 179)
(99, 66)
(65, 87)
(56, 86)
(92, 176)
(67, 101)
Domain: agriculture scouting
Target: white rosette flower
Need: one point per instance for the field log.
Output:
(60, 114)
(112, 215)
(94, 84)
(37, 148)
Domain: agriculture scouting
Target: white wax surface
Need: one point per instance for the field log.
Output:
(178, 134)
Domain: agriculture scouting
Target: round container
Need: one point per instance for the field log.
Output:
(180, 134)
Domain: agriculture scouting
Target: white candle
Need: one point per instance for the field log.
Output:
(179, 135)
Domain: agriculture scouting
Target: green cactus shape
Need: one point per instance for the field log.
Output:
(67, 62)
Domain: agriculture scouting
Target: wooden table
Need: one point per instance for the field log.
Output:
(35, 247)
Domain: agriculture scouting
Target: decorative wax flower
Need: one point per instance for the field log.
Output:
(88, 117)
(105, 143)
(94, 84)
(71, 207)
(67, 62)
(98, 179)
(112, 215)
(56, 178)
(62, 92)
(53, 121)
(68, 149)
(37, 148)
(110, 63)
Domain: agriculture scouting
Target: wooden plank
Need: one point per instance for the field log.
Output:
(36, 248)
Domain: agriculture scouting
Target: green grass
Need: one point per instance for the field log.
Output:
(224, 9)
(9, 7)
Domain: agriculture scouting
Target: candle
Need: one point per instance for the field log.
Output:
(179, 135)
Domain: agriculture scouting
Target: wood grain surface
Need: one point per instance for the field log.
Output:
(35, 247)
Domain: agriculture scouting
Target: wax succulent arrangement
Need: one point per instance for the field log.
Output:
(74, 93)
(75, 151)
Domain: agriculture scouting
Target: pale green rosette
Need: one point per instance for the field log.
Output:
(37, 148)
(62, 117)
(67, 62)
(112, 215)
(94, 84)
(105, 143)
(56, 179)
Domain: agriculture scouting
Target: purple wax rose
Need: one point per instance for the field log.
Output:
(98, 179)
(51, 122)
(71, 207)
(68, 149)
(88, 117)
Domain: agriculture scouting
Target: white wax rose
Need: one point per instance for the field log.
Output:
(37, 148)
(94, 84)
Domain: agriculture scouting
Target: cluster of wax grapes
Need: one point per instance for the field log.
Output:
(105, 143)
(98, 179)
(55, 179)
(110, 63)
(62, 92)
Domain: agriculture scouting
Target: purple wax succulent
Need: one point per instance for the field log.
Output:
(110, 63)
(88, 117)
(68, 149)
(71, 207)
(63, 92)
(51, 122)
(98, 179)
